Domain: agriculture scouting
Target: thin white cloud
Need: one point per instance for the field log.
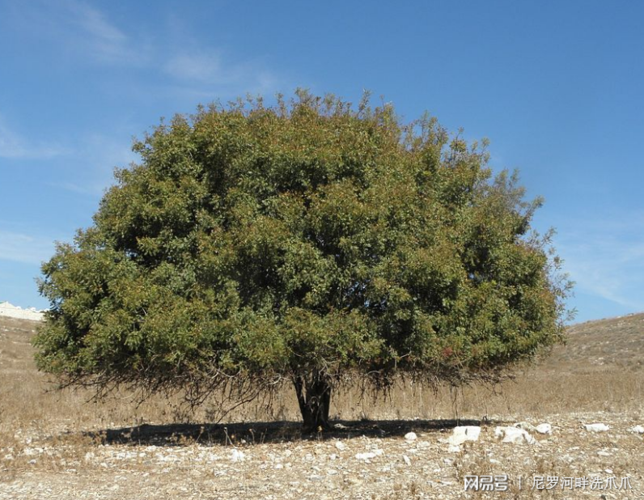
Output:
(104, 39)
(100, 155)
(89, 188)
(16, 146)
(90, 36)
(198, 67)
(82, 30)
(95, 23)
(605, 257)
(25, 248)
(205, 70)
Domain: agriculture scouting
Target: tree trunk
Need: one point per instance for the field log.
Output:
(314, 397)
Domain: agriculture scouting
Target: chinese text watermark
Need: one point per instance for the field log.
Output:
(501, 482)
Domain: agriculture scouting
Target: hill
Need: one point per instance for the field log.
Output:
(600, 345)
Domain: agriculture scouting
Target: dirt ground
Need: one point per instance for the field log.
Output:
(61, 445)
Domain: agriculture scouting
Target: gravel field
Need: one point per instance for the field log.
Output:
(347, 465)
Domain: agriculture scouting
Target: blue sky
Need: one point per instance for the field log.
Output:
(555, 86)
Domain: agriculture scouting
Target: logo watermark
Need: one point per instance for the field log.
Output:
(501, 482)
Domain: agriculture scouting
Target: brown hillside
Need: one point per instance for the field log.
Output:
(600, 345)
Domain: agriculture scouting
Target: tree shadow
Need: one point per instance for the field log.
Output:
(268, 432)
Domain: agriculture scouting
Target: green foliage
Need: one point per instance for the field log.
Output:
(257, 243)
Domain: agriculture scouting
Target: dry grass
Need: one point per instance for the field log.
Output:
(57, 439)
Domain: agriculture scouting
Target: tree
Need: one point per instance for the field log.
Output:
(300, 241)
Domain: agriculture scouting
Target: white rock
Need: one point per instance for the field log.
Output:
(411, 436)
(237, 456)
(526, 426)
(407, 459)
(464, 433)
(340, 445)
(365, 456)
(513, 435)
(596, 427)
(544, 429)
(638, 429)
(453, 448)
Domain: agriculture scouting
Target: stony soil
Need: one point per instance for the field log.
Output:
(364, 461)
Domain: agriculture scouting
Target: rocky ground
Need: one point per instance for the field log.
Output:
(362, 461)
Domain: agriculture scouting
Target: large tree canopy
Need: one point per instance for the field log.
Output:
(300, 241)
